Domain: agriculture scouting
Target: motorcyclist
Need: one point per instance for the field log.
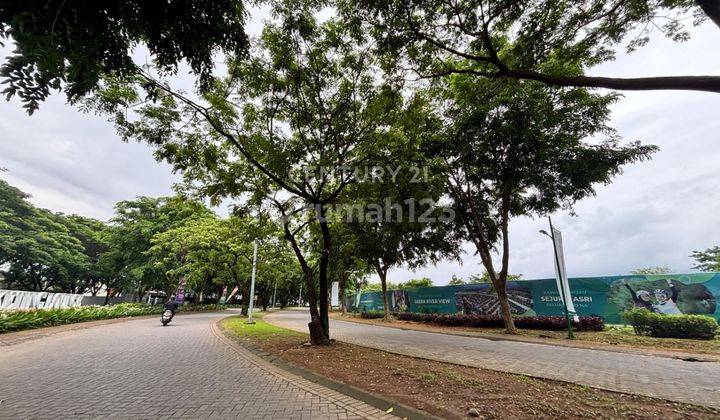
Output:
(171, 305)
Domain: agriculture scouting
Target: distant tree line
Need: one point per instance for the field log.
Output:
(147, 246)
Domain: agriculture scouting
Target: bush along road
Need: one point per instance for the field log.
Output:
(18, 320)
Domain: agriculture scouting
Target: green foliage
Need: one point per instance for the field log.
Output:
(413, 283)
(130, 237)
(517, 149)
(377, 287)
(645, 322)
(485, 278)
(148, 245)
(550, 41)
(372, 315)
(456, 281)
(396, 219)
(280, 128)
(41, 250)
(38, 318)
(660, 269)
(72, 44)
(707, 260)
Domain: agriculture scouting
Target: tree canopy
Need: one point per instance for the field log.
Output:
(707, 260)
(41, 250)
(518, 149)
(549, 41)
(70, 45)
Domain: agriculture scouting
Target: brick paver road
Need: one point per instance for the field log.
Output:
(139, 369)
(678, 380)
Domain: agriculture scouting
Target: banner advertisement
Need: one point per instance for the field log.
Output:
(180, 294)
(223, 295)
(607, 297)
(561, 274)
(335, 294)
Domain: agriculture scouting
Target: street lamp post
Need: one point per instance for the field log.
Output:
(563, 298)
(252, 285)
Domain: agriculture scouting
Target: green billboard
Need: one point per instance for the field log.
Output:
(607, 297)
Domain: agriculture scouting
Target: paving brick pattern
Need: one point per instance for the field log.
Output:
(139, 369)
(673, 379)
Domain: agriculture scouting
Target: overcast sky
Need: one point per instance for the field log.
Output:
(656, 213)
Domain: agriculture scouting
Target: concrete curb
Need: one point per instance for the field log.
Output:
(374, 400)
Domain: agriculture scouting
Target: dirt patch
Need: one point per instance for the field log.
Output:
(618, 339)
(451, 391)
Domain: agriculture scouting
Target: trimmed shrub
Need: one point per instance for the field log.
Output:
(372, 314)
(653, 324)
(17, 320)
(586, 323)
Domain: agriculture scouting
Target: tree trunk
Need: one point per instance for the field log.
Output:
(343, 290)
(324, 261)
(107, 298)
(711, 8)
(382, 273)
(317, 336)
(501, 290)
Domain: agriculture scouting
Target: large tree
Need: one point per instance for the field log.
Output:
(70, 45)
(550, 41)
(129, 237)
(211, 252)
(306, 105)
(395, 217)
(519, 149)
(39, 250)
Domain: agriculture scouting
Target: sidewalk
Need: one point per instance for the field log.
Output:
(672, 379)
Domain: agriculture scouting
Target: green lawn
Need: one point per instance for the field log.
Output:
(260, 330)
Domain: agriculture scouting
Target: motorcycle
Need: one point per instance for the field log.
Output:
(166, 317)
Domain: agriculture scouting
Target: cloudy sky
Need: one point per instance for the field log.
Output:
(656, 213)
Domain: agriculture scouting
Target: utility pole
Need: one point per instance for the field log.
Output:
(252, 285)
(300, 296)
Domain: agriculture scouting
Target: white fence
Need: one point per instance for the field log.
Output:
(21, 299)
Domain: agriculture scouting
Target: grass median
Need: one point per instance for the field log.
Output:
(448, 390)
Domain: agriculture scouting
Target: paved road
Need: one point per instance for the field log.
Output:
(692, 382)
(138, 369)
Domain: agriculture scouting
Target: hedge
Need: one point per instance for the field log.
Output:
(17, 320)
(373, 314)
(586, 323)
(653, 324)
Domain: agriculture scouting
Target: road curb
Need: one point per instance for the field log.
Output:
(374, 400)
